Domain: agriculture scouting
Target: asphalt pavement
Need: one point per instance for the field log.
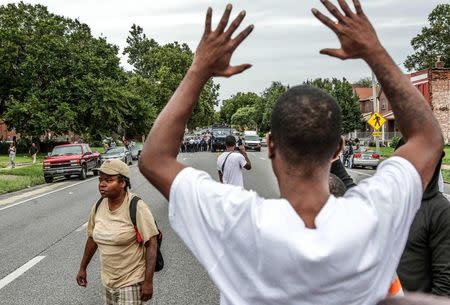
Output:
(43, 235)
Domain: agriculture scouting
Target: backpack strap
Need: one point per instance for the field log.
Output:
(133, 209)
(98, 204)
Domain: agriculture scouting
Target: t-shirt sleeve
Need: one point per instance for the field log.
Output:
(394, 193)
(145, 222)
(242, 161)
(91, 222)
(204, 213)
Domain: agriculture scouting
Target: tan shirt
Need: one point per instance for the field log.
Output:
(122, 257)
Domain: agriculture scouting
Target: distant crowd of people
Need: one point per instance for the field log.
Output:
(198, 143)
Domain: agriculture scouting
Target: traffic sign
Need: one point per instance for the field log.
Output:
(376, 121)
(376, 133)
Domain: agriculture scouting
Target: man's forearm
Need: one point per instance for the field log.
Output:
(89, 251)
(150, 259)
(411, 111)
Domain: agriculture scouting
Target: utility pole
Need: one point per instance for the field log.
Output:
(376, 108)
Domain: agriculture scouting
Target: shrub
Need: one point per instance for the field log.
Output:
(394, 142)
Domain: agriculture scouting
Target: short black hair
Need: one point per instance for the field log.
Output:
(127, 182)
(306, 125)
(230, 141)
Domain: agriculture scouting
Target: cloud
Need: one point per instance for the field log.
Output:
(284, 46)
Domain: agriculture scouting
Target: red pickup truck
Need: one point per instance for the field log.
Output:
(70, 159)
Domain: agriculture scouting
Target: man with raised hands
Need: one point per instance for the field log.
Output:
(306, 247)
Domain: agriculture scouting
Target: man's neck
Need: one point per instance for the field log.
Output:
(306, 194)
(230, 149)
(116, 202)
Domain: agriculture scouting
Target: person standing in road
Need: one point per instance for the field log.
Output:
(231, 162)
(127, 266)
(12, 155)
(306, 247)
(33, 152)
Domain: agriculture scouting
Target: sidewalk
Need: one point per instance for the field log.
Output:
(18, 165)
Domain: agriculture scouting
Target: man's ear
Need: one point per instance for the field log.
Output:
(270, 146)
(339, 149)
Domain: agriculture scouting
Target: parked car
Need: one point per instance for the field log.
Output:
(136, 151)
(120, 153)
(367, 158)
(70, 159)
(252, 142)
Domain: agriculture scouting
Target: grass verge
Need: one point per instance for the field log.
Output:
(446, 175)
(386, 152)
(20, 178)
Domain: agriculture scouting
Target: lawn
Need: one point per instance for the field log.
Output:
(386, 152)
(20, 178)
(20, 158)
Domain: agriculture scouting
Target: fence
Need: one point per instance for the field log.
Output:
(367, 137)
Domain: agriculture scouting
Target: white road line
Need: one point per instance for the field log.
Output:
(262, 158)
(82, 227)
(42, 195)
(19, 271)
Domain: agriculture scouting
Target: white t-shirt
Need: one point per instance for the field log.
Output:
(258, 251)
(233, 168)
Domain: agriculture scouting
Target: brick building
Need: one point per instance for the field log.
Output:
(434, 84)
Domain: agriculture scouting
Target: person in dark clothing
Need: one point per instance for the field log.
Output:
(338, 169)
(425, 263)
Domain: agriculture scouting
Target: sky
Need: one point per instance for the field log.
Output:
(284, 45)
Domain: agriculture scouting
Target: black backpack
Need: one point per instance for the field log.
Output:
(133, 206)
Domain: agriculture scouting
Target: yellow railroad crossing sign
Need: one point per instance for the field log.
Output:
(376, 133)
(376, 121)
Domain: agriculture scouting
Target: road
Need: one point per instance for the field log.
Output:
(43, 235)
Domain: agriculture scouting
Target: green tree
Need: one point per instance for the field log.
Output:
(268, 99)
(235, 102)
(365, 82)
(55, 76)
(244, 118)
(433, 41)
(165, 67)
(342, 91)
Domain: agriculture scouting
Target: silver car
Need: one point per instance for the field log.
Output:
(367, 158)
(120, 153)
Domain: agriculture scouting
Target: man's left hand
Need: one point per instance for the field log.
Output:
(213, 54)
(146, 291)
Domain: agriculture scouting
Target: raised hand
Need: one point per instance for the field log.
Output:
(216, 47)
(354, 30)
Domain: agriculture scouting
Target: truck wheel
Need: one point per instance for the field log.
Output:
(48, 179)
(67, 176)
(83, 172)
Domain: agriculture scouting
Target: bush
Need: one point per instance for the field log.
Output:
(394, 142)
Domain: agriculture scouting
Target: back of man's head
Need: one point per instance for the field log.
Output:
(230, 141)
(306, 126)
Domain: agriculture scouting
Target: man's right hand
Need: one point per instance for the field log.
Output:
(82, 278)
(354, 30)
(213, 54)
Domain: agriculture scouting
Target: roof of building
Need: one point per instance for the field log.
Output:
(363, 93)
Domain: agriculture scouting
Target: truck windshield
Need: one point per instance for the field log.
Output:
(67, 150)
(221, 132)
(251, 138)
